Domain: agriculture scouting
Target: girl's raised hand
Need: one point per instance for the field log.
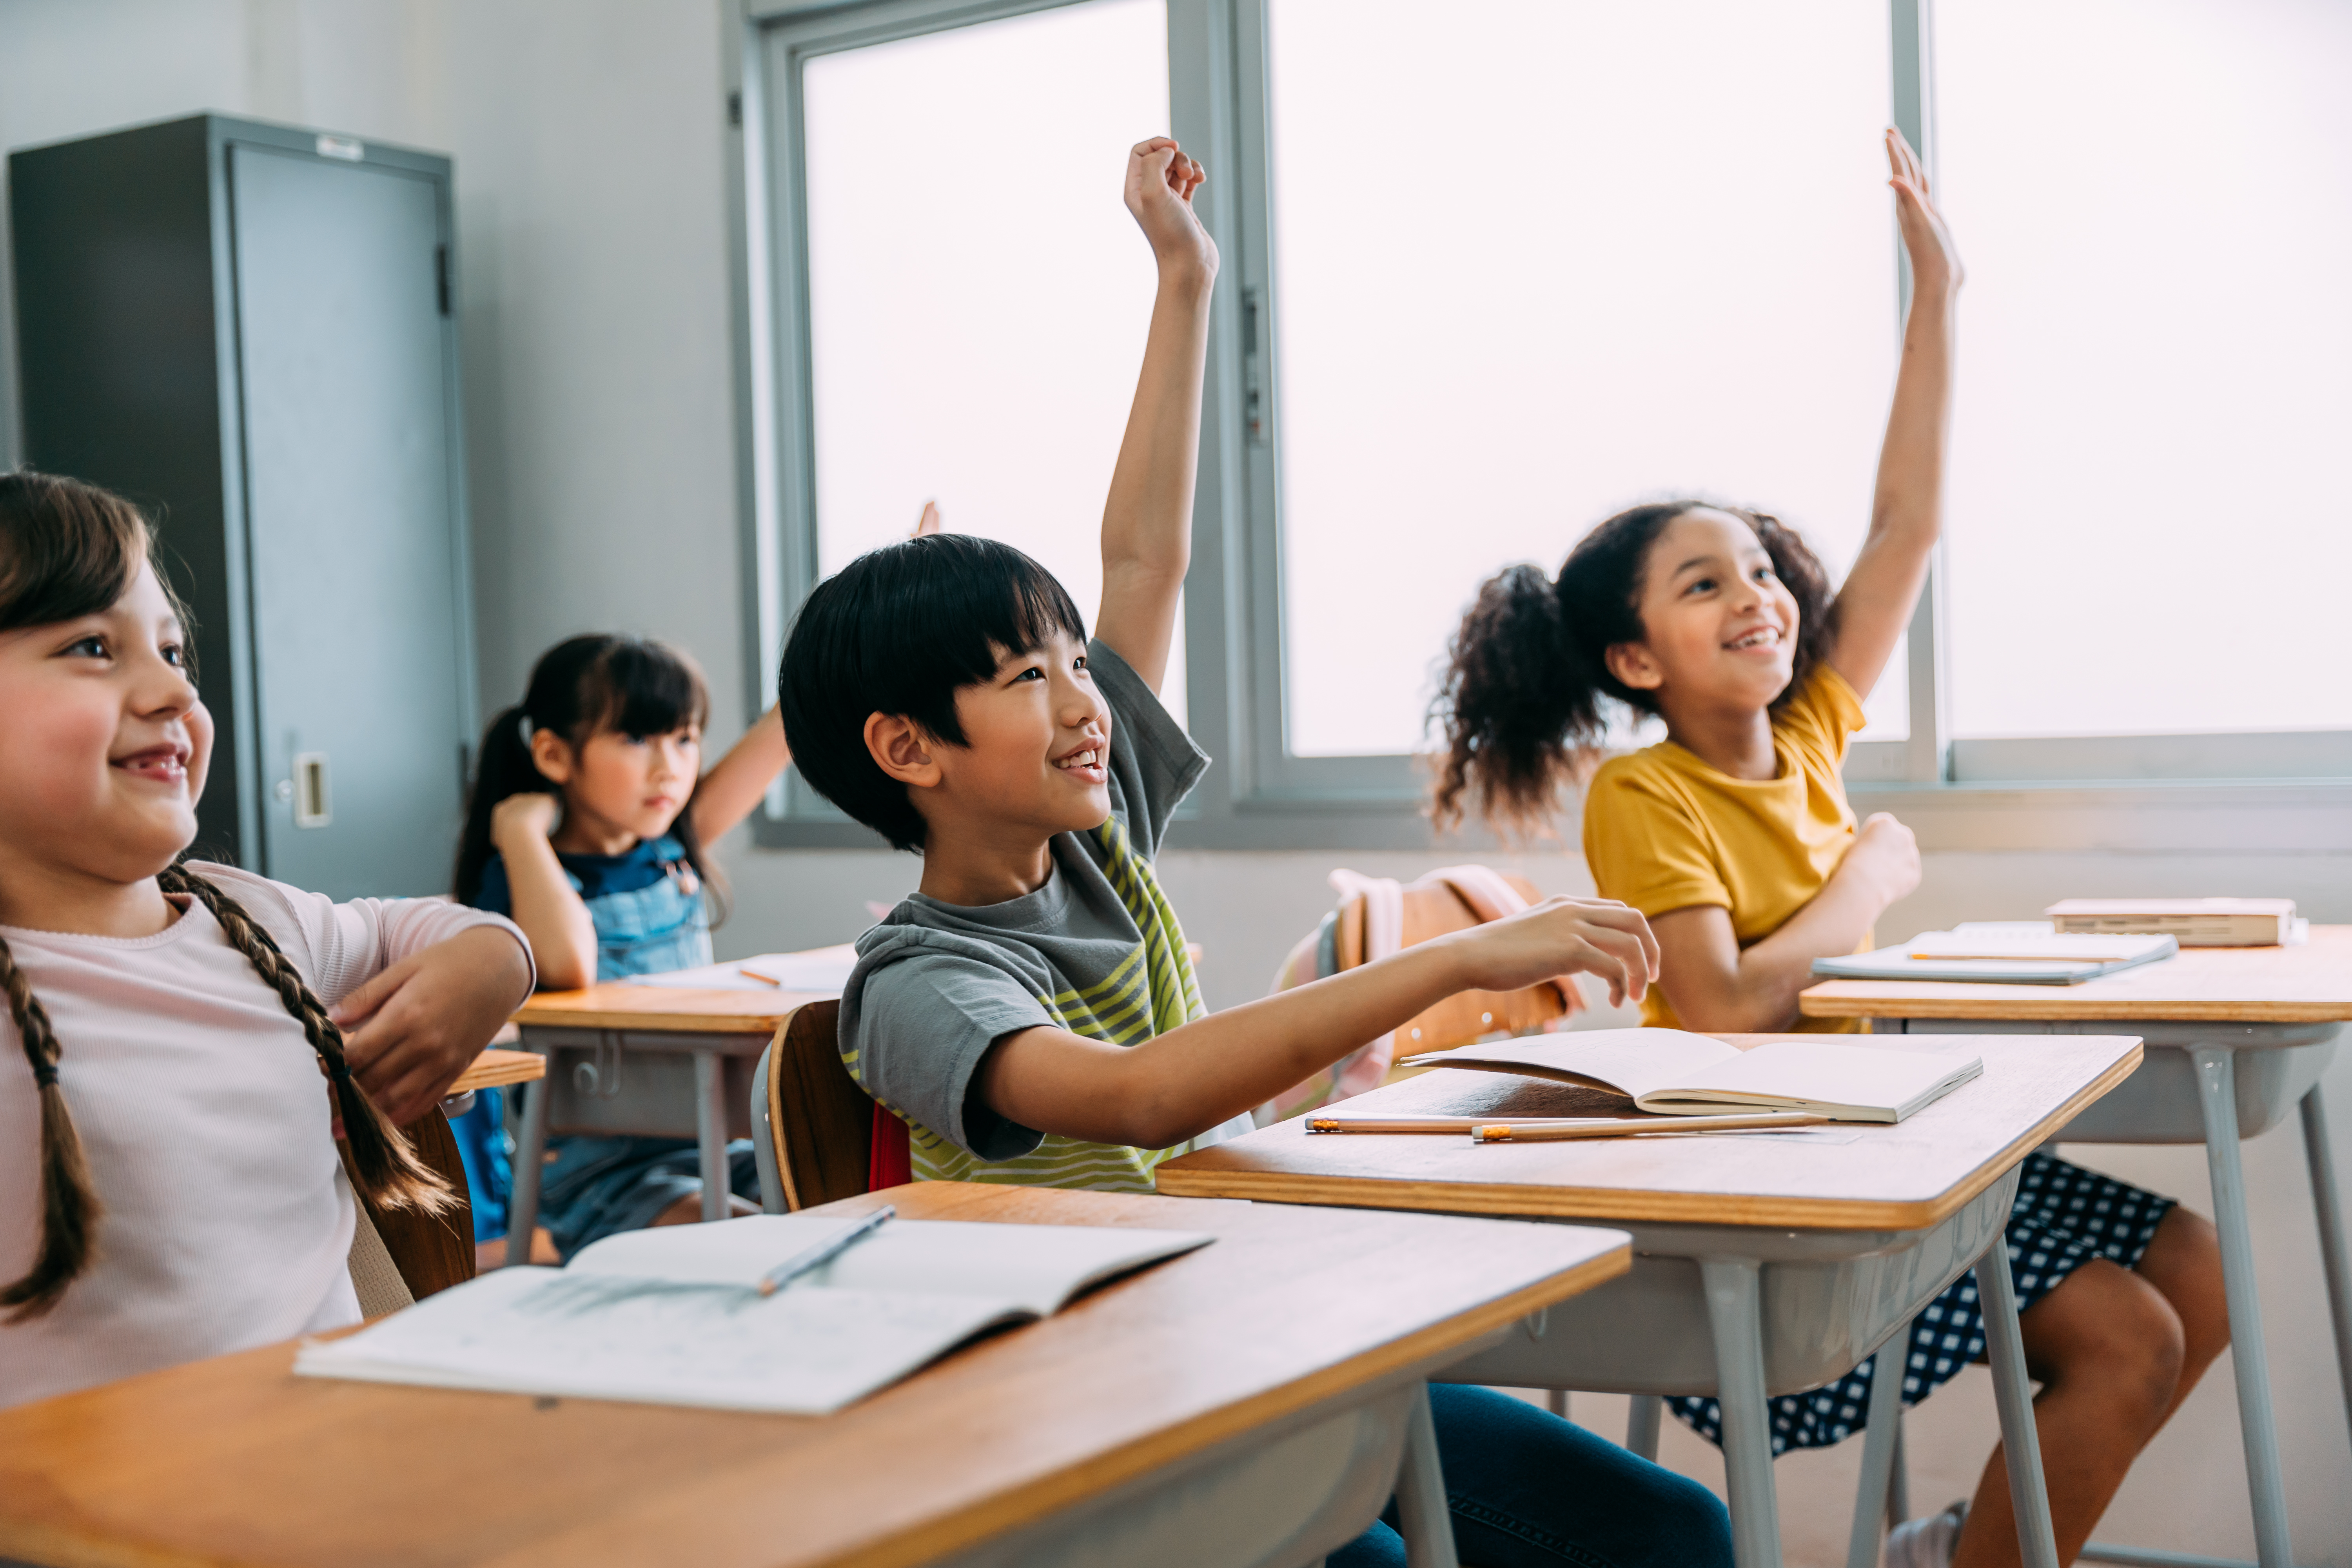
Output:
(1935, 260)
(1160, 181)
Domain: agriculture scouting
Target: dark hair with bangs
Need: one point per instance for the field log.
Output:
(900, 630)
(1521, 706)
(583, 687)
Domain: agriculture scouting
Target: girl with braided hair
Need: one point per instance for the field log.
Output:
(194, 1040)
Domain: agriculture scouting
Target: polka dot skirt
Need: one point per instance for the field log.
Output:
(2064, 1217)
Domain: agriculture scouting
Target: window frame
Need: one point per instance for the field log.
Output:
(2045, 792)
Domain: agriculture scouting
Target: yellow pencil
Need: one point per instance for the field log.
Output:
(1618, 1127)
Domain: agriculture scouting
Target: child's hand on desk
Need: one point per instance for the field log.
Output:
(1160, 181)
(410, 1031)
(1886, 857)
(1935, 260)
(1561, 937)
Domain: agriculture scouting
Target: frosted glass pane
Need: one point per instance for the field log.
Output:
(2150, 521)
(1539, 259)
(978, 294)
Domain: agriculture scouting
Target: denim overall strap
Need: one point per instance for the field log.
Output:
(654, 928)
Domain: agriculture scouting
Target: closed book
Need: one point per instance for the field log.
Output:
(2194, 923)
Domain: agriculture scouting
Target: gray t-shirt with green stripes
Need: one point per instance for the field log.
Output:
(1096, 951)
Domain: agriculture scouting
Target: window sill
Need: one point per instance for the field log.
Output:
(2277, 815)
(2267, 816)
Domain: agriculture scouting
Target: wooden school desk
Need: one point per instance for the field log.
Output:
(1765, 1263)
(2236, 1037)
(651, 1060)
(1246, 1405)
(495, 1068)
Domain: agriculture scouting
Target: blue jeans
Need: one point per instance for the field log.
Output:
(1526, 1489)
(598, 1187)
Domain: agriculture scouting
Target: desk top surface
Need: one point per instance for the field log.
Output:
(1862, 1176)
(621, 1006)
(495, 1067)
(2305, 984)
(237, 1460)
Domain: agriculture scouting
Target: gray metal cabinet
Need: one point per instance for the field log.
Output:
(247, 328)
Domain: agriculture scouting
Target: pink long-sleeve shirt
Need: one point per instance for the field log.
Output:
(208, 1128)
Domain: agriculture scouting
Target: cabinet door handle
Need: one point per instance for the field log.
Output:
(314, 802)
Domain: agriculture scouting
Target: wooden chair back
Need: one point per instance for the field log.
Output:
(432, 1252)
(1433, 911)
(821, 1122)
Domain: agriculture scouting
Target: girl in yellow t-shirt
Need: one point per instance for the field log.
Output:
(1734, 838)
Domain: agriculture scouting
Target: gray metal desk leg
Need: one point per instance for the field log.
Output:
(1734, 1311)
(2216, 1092)
(2012, 1391)
(710, 1131)
(1898, 1480)
(1643, 1412)
(530, 1161)
(1556, 1401)
(2329, 1208)
(1879, 1437)
(1427, 1525)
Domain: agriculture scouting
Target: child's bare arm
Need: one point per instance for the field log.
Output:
(1714, 985)
(563, 936)
(1907, 511)
(1147, 533)
(411, 1030)
(731, 788)
(1188, 1080)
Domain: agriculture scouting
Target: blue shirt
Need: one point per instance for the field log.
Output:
(646, 903)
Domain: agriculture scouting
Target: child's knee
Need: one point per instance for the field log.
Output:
(1693, 1525)
(2184, 1263)
(2105, 1325)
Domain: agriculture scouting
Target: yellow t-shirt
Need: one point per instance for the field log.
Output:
(1664, 831)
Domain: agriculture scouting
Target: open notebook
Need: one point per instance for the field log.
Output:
(1683, 1074)
(2016, 952)
(670, 1316)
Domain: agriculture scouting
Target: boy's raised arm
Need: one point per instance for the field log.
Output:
(1148, 521)
(1907, 511)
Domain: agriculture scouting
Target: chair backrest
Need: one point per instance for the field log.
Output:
(432, 1252)
(821, 1125)
(1431, 908)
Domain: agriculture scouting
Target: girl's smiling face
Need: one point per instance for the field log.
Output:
(1719, 628)
(107, 743)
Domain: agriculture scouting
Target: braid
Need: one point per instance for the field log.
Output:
(385, 1166)
(69, 1209)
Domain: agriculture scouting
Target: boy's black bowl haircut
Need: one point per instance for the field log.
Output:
(898, 631)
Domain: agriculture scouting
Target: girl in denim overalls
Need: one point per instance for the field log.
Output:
(588, 821)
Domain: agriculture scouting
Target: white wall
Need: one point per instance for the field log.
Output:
(589, 136)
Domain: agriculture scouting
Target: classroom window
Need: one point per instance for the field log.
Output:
(2149, 523)
(977, 295)
(1543, 262)
(1493, 271)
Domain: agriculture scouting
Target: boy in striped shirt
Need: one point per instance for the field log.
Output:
(1031, 1013)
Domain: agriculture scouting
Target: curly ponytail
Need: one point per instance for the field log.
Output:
(1521, 705)
(384, 1166)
